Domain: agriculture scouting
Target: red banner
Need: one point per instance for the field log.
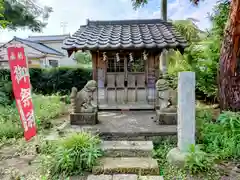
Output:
(22, 89)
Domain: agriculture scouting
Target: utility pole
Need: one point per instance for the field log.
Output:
(63, 25)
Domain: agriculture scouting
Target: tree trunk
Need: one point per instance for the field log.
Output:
(164, 10)
(163, 56)
(229, 71)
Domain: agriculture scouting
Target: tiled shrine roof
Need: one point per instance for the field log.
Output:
(125, 34)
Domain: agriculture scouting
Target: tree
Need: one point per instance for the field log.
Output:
(229, 70)
(23, 14)
(2, 21)
(83, 57)
(139, 3)
(229, 65)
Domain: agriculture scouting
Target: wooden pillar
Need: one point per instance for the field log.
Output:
(95, 60)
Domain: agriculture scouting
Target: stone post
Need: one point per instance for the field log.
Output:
(186, 118)
(186, 110)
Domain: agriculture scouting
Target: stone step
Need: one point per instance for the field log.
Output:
(127, 165)
(123, 177)
(127, 148)
(171, 130)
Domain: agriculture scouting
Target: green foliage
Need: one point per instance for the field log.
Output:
(83, 57)
(46, 108)
(51, 81)
(72, 156)
(6, 95)
(139, 3)
(220, 138)
(219, 17)
(24, 14)
(202, 56)
(3, 22)
(198, 160)
(187, 29)
(163, 145)
(48, 81)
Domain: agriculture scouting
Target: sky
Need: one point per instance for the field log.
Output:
(76, 12)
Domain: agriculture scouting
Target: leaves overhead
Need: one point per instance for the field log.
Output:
(140, 3)
(219, 17)
(24, 14)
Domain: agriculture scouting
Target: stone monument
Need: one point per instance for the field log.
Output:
(167, 99)
(83, 111)
(186, 118)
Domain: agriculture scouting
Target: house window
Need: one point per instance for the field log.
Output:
(53, 63)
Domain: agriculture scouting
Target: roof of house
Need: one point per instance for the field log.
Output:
(38, 46)
(48, 38)
(125, 34)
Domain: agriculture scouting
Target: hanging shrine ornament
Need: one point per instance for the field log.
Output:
(130, 57)
(145, 55)
(117, 57)
(104, 56)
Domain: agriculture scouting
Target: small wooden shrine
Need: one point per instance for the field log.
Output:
(125, 59)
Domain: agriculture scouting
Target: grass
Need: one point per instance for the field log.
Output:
(46, 108)
(73, 155)
(217, 140)
(161, 147)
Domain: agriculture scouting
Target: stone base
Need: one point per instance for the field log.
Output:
(176, 158)
(166, 118)
(83, 118)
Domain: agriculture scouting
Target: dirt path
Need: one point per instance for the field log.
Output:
(19, 159)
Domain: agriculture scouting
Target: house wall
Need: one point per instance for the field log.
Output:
(64, 61)
(36, 59)
(29, 52)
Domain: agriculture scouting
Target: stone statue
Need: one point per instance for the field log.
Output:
(166, 95)
(162, 88)
(167, 98)
(81, 101)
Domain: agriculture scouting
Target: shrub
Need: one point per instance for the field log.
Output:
(73, 155)
(6, 95)
(198, 160)
(222, 138)
(47, 108)
(49, 81)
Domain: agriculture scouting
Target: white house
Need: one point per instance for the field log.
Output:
(55, 42)
(41, 51)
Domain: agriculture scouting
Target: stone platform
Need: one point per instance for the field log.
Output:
(83, 118)
(126, 125)
(166, 118)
